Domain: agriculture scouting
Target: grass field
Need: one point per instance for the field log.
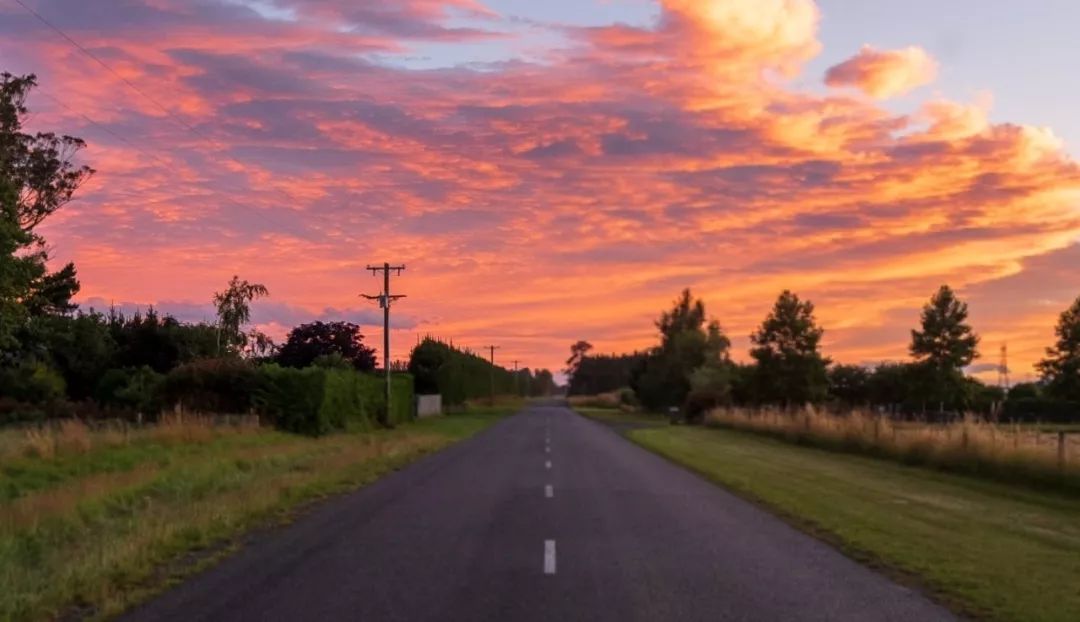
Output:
(93, 521)
(994, 550)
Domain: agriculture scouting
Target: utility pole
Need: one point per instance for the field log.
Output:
(517, 390)
(492, 350)
(385, 299)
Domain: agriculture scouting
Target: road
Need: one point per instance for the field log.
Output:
(544, 516)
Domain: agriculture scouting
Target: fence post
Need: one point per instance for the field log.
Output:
(1061, 449)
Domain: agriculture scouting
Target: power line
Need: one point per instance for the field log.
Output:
(98, 60)
(172, 116)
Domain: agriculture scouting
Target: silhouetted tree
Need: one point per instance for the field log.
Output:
(1060, 369)
(308, 342)
(790, 370)
(944, 346)
(691, 360)
(850, 384)
(234, 310)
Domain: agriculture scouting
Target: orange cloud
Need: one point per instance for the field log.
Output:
(539, 203)
(884, 73)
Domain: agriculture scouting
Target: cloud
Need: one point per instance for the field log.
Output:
(539, 202)
(884, 73)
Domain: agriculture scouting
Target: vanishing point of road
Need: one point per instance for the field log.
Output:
(544, 516)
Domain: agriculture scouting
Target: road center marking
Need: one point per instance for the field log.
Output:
(549, 557)
(549, 491)
(547, 450)
(547, 465)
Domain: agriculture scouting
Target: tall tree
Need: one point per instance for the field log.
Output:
(944, 346)
(790, 369)
(667, 374)
(37, 178)
(1060, 369)
(577, 355)
(39, 165)
(234, 310)
(308, 342)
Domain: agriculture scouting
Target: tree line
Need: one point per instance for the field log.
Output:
(460, 375)
(692, 369)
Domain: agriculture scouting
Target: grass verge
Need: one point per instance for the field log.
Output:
(990, 550)
(89, 533)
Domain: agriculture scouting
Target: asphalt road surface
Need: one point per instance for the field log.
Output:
(544, 516)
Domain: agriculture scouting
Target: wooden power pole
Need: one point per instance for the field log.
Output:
(385, 299)
(491, 350)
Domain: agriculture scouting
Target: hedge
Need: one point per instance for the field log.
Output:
(313, 400)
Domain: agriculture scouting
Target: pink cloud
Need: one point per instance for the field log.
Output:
(631, 163)
(884, 73)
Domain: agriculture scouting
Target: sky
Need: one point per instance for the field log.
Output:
(560, 170)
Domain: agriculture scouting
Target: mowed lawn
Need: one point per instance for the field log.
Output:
(92, 522)
(996, 551)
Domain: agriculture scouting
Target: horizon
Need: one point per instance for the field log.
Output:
(561, 172)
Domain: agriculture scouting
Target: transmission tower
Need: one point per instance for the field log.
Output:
(1003, 368)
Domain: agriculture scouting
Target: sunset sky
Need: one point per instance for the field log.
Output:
(558, 170)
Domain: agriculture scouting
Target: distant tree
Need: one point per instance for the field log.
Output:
(1060, 369)
(577, 355)
(234, 310)
(1025, 391)
(790, 370)
(944, 346)
(893, 385)
(849, 384)
(690, 362)
(308, 342)
(543, 383)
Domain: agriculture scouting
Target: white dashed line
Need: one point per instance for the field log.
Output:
(549, 557)
(547, 465)
(549, 491)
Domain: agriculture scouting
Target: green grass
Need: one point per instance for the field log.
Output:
(98, 530)
(993, 550)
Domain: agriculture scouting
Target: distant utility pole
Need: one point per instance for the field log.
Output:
(491, 350)
(1003, 368)
(385, 299)
(517, 391)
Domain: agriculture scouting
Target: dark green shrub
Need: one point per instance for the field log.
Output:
(32, 382)
(294, 400)
(136, 389)
(223, 385)
(1042, 410)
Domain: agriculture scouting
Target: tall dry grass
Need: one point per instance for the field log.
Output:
(1012, 453)
(72, 436)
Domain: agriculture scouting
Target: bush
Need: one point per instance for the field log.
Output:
(32, 381)
(317, 400)
(136, 389)
(294, 399)
(1042, 410)
(223, 385)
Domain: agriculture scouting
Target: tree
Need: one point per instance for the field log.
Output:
(308, 342)
(690, 366)
(850, 384)
(944, 346)
(37, 178)
(1060, 369)
(234, 310)
(577, 355)
(38, 165)
(790, 370)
